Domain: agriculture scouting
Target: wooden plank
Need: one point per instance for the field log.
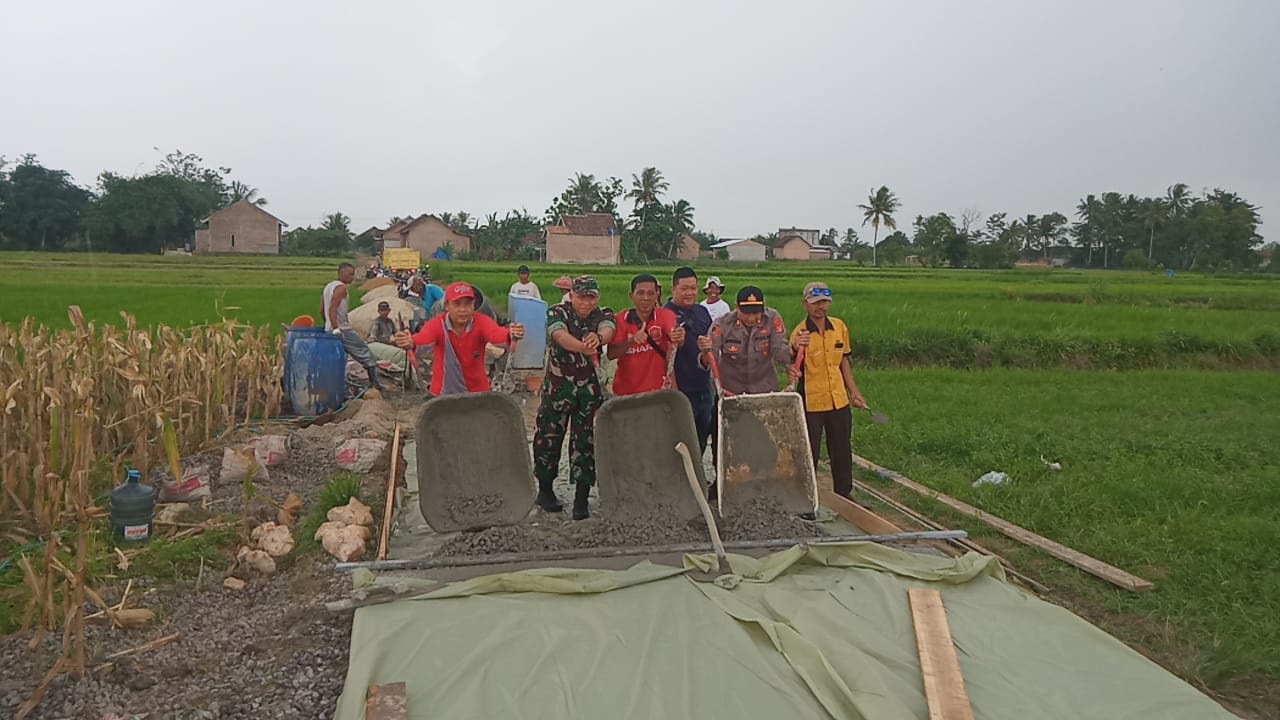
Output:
(384, 538)
(387, 702)
(864, 519)
(939, 667)
(1091, 565)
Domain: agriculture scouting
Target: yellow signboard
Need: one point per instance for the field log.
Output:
(401, 259)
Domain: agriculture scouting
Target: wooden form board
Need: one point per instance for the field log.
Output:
(1091, 565)
(387, 702)
(388, 509)
(939, 667)
(862, 518)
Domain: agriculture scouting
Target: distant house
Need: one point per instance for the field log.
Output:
(813, 237)
(426, 234)
(240, 227)
(587, 239)
(741, 250)
(792, 247)
(689, 249)
(821, 252)
(391, 237)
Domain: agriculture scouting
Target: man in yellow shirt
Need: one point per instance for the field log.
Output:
(826, 384)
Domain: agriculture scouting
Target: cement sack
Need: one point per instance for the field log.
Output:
(271, 450)
(360, 455)
(240, 463)
(381, 292)
(361, 318)
(193, 485)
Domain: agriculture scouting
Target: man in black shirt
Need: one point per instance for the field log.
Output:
(692, 376)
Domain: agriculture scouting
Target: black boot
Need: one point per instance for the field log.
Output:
(580, 498)
(373, 378)
(547, 499)
(713, 493)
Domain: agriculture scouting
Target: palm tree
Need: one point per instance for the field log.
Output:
(462, 222)
(879, 210)
(1154, 212)
(681, 222)
(850, 243)
(337, 221)
(395, 220)
(1178, 200)
(646, 189)
(240, 191)
(1090, 212)
(584, 191)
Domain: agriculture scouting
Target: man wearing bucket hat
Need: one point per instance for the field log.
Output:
(571, 394)
(715, 305)
(826, 384)
(457, 338)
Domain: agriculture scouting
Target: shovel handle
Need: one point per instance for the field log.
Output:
(791, 386)
(722, 559)
(715, 373)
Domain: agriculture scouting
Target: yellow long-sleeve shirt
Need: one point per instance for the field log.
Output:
(821, 383)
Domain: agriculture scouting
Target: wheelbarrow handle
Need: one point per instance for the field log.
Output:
(714, 365)
(791, 385)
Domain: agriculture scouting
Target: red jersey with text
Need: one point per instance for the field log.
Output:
(644, 366)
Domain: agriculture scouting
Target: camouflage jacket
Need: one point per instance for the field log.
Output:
(571, 365)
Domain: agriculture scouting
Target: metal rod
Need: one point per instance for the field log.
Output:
(587, 553)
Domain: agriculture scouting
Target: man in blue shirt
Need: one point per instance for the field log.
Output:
(692, 376)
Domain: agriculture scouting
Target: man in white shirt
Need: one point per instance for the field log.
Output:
(525, 288)
(715, 306)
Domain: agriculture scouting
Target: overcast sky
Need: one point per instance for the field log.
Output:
(761, 114)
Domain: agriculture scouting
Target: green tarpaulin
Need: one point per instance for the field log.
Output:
(805, 633)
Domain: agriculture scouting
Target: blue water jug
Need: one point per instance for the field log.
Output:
(132, 507)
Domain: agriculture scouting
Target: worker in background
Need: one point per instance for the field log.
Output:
(645, 338)
(826, 384)
(458, 337)
(383, 327)
(333, 308)
(571, 394)
(692, 376)
(715, 305)
(524, 287)
(564, 283)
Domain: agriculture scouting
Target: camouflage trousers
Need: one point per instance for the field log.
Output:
(566, 407)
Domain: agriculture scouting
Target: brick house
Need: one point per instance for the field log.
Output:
(792, 247)
(688, 249)
(240, 227)
(588, 239)
(426, 234)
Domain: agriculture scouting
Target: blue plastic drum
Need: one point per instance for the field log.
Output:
(315, 366)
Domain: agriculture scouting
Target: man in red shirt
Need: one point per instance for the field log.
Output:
(457, 338)
(646, 335)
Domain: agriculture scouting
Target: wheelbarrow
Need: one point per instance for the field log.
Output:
(763, 451)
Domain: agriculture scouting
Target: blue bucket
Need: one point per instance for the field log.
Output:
(315, 367)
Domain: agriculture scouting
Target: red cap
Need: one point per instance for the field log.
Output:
(459, 290)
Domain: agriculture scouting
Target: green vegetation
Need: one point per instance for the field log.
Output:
(337, 491)
(1168, 474)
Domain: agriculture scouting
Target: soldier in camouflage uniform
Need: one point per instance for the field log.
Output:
(571, 394)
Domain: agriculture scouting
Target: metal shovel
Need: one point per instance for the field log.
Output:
(877, 418)
(722, 558)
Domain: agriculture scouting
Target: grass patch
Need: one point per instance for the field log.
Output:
(337, 491)
(166, 559)
(1168, 474)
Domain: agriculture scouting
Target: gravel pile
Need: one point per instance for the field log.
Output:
(268, 651)
(472, 511)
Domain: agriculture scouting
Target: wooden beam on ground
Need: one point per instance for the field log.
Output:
(939, 667)
(1091, 565)
(384, 538)
(862, 518)
(387, 702)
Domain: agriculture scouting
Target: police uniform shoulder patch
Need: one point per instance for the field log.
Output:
(715, 329)
(778, 326)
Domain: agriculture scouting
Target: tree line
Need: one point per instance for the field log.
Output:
(43, 209)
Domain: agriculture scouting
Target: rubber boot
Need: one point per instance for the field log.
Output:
(547, 499)
(373, 378)
(580, 498)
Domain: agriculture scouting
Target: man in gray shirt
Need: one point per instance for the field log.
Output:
(333, 309)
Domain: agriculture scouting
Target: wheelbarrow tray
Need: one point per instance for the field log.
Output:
(764, 454)
(638, 471)
(474, 469)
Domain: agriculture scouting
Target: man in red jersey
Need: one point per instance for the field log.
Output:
(646, 335)
(458, 337)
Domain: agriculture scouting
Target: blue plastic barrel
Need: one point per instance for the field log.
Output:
(315, 366)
